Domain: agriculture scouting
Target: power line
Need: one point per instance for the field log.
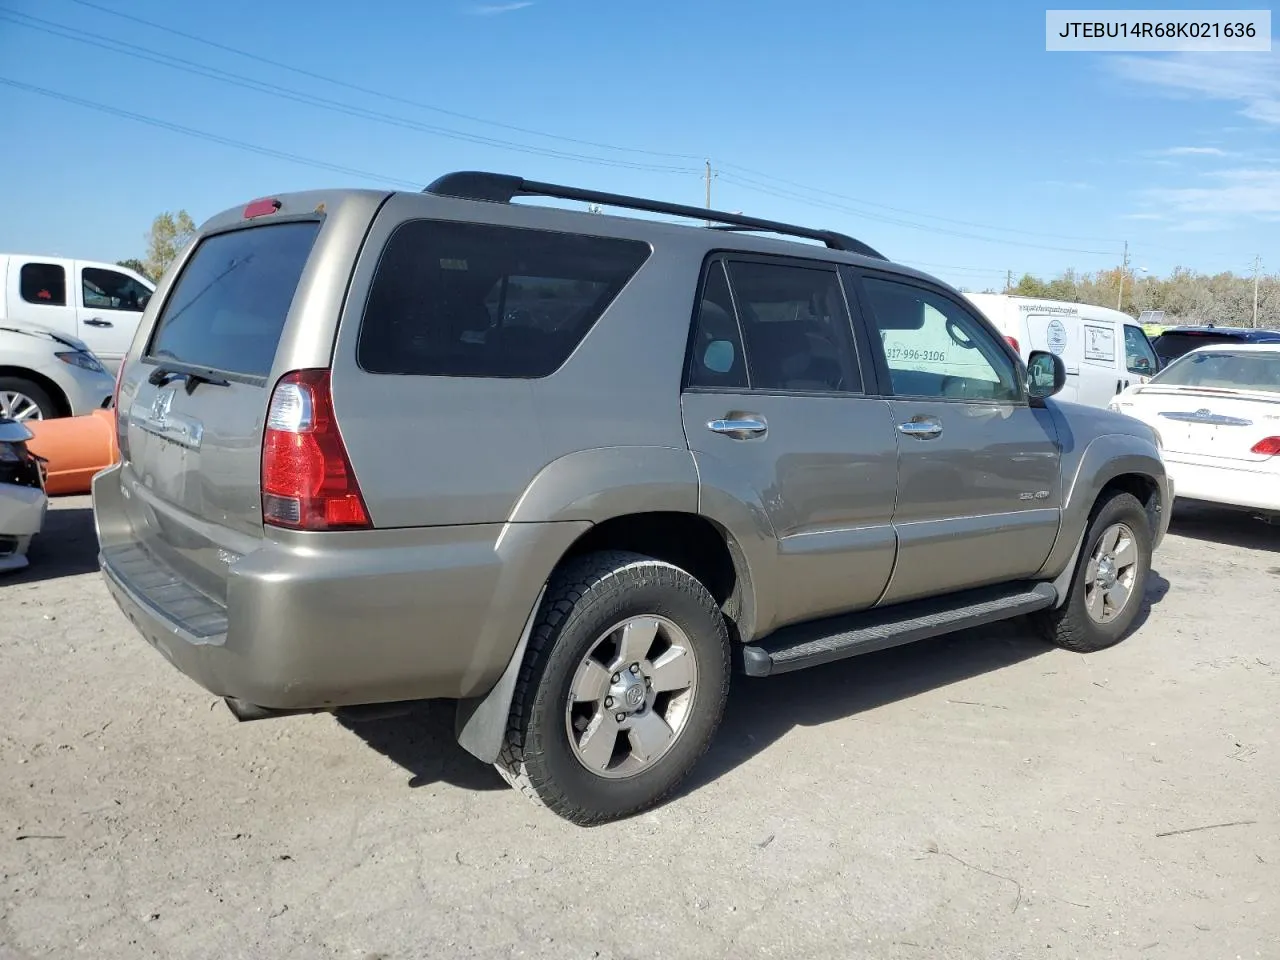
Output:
(966, 223)
(297, 96)
(951, 266)
(827, 205)
(300, 71)
(302, 97)
(375, 93)
(212, 137)
(914, 213)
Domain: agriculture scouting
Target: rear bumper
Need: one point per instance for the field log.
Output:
(1254, 486)
(340, 619)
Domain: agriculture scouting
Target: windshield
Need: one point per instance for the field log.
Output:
(1225, 370)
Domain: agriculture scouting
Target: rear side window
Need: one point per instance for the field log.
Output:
(783, 328)
(228, 308)
(455, 299)
(43, 283)
(716, 361)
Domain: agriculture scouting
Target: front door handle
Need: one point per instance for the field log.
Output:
(739, 428)
(97, 322)
(921, 429)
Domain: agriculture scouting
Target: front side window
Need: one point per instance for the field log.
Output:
(43, 283)
(1139, 357)
(452, 299)
(109, 290)
(936, 349)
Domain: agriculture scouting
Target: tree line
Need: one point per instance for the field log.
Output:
(1185, 296)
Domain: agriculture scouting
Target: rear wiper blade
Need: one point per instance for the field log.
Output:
(162, 375)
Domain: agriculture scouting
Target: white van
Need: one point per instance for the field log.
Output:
(99, 303)
(1104, 350)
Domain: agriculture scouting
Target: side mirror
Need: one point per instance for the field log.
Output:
(1046, 375)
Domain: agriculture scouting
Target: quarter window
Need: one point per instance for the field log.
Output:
(453, 299)
(936, 349)
(43, 283)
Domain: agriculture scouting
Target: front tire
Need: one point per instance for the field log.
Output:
(1106, 591)
(622, 689)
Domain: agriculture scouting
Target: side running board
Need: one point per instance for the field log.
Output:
(822, 641)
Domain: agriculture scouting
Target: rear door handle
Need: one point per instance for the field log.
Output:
(740, 428)
(97, 322)
(921, 429)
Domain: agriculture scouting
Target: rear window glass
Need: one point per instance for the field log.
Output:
(1170, 346)
(1226, 369)
(229, 305)
(477, 300)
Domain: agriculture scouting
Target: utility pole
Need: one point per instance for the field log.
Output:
(1008, 280)
(708, 177)
(1124, 268)
(1257, 267)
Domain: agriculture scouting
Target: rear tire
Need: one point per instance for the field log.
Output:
(1110, 579)
(648, 640)
(21, 399)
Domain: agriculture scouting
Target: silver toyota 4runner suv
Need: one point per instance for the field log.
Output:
(573, 471)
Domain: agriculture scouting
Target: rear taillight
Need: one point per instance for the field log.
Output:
(307, 480)
(1013, 342)
(1267, 447)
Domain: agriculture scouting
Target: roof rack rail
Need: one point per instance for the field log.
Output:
(501, 188)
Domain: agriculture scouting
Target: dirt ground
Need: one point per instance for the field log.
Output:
(978, 796)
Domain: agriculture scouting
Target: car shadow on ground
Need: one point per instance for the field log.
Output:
(422, 742)
(66, 546)
(760, 712)
(1235, 528)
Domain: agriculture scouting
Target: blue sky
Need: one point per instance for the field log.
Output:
(941, 133)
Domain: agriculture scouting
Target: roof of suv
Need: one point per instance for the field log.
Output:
(1243, 333)
(733, 231)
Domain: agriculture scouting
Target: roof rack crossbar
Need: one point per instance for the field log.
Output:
(502, 188)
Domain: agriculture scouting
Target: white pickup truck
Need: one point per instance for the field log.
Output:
(99, 303)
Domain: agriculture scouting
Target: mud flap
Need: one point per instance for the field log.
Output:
(481, 722)
(1062, 582)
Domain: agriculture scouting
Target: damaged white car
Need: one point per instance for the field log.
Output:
(22, 498)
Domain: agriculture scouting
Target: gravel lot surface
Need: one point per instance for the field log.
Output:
(976, 796)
